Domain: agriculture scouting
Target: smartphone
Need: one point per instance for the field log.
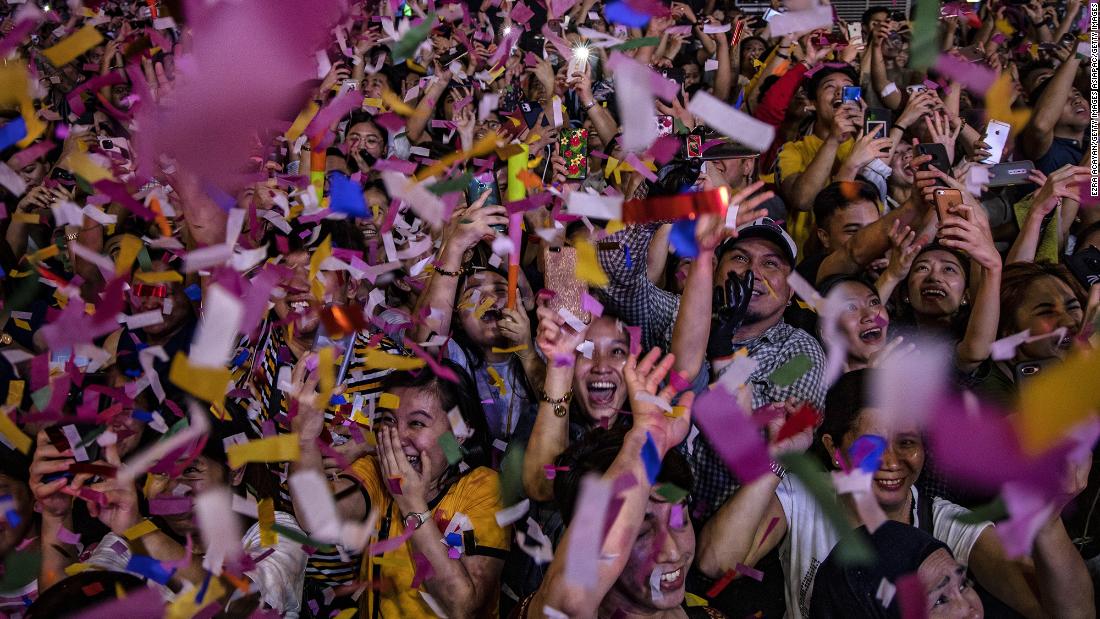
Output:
(530, 111)
(481, 183)
(877, 128)
(971, 54)
(939, 156)
(1009, 173)
(665, 126)
(915, 88)
(574, 148)
(455, 54)
(996, 136)
(694, 146)
(946, 199)
(770, 13)
(855, 34)
(561, 279)
(1085, 266)
(1028, 369)
(578, 62)
(851, 93)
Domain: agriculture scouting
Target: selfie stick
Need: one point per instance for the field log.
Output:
(516, 191)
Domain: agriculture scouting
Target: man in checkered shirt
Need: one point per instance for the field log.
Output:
(766, 250)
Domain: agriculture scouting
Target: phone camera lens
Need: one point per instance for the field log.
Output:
(106, 144)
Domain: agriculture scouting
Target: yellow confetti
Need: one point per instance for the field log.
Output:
(73, 45)
(496, 381)
(301, 122)
(511, 349)
(185, 606)
(83, 166)
(279, 448)
(26, 218)
(324, 250)
(15, 87)
(265, 509)
(376, 359)
(139, 530)
(487, 302)
(389, 401)
(45, 253)
(15, 392)
(209, 384)
(396, 104)
(588, 266)
(129, 248)
(158, 277)
(326, 362)
(769, 287)
(694, 600)
(614, 226)
(1056, 400)
(15, 436)
(997, 103)
(483, 146)
(76, 568)
(22, 324)
(1004, 27)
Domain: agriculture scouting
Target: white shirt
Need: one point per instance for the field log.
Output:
(810, 538)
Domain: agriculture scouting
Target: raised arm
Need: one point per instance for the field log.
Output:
(650, 422)
(872, 241)
(468, 226)
(1038, 135)
(550, 436)
(415, 128)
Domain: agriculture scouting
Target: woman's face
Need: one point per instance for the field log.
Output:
(366, 136)
(901, 463)
(377, 204)
(659, 560)
(200, 475)
(751, 50)
(480, 306)
(949, 593)
(863, 320)
(1048, 305)
(598, 382)
(20, 493)
(32, 173)
(901, 173)
(489, 124)
(419, 421)
(298, 298)
(937, 284)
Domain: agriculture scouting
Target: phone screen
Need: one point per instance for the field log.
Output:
(574, 149)
(996, 136)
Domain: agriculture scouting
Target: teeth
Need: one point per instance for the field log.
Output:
(601, 385)
(413, 459)
(300, 305)
(870, 334)
(671, 576)
(889, 484)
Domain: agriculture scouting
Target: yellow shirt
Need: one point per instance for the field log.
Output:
(794, 158)
(476, 494)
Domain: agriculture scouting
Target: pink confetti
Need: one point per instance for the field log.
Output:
(750, 572)
(635, 340)
(392, 543)
(910, 596)
(732, 434)
(591, 305)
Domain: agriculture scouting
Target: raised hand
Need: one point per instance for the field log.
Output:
(651, 406)
(309, 421)
(556, 339)
(121, 510)
(730, 307)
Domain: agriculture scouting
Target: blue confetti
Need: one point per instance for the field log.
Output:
(621, 13)
(241, 357)
(866, 452)
(454, 540)
(682, 238)
(12, 132)
(141, 415)
(651, 459)
(629, 262)
(346, 196)
(740, 100)
(149, 568)
(222, 199)
(193, 292)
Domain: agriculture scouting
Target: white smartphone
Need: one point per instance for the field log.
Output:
(855, 34)
(996, 136)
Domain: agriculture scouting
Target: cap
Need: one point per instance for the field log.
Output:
(763, 228)
(727, 149)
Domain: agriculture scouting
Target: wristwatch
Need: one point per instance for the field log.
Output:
(416, 519)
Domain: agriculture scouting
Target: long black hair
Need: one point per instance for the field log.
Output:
(461, 395)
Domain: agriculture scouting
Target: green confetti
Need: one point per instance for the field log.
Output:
(301, 538)
(144, 260)
(851, 548)
(671, 492)
(451, 448)
(456, 183)
(20, 568)
(636, 43)
(41, 398)
(90, 437)
(926, 30)
(511, 475)
(994, 511)
(791, 371)
(413, 38)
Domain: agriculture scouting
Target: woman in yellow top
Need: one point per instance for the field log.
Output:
(421, 499)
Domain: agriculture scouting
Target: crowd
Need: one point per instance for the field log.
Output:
(547, 308)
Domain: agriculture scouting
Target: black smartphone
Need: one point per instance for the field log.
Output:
(455, 54)
(1029, 369)
(1085, 266)
(939, 157)
(1009, 173)
(531, 111)
(481, 183)
(877, 121)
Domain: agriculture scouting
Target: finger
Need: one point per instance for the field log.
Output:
(645, 366)
(661, 371)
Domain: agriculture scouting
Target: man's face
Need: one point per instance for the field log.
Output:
(845, 222)
(166, 297)
(1075, 114)
(878, 20)
(691, 75)
(901, 173)
(771, 293)
(298, 298)
(751, 50)
(829, 94)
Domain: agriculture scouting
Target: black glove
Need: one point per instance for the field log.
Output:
(730, 306)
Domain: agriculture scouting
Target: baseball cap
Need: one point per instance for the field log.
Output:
(763, 228)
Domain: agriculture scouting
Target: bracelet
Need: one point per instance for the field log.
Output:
(591, 105)
(782, 55)
(778, 469)
(442, 271)
(561, 408)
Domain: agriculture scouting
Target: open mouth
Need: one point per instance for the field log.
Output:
(672, 581)
(492, 315)
(871, 335)
(933, 293)
(889, 485)
(1066, 342)
(601, 392)
(414, 461)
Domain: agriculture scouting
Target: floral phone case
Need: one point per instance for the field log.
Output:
(574, 149)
